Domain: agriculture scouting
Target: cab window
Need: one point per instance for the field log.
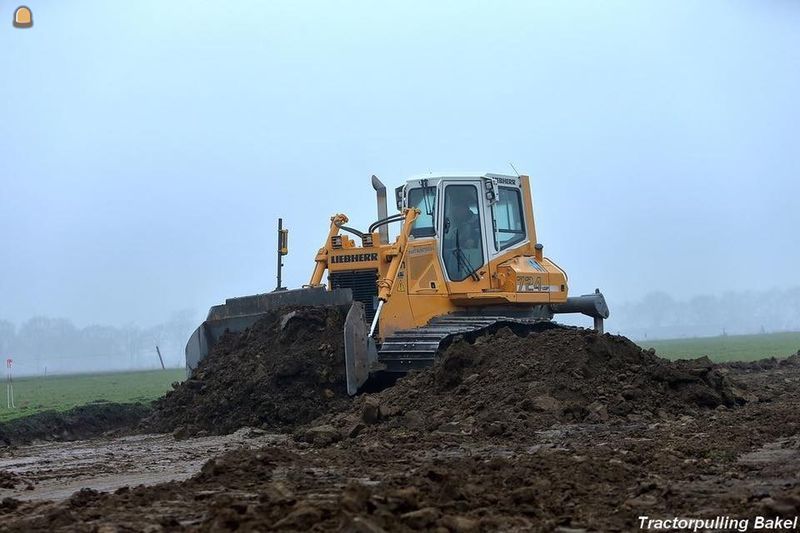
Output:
(423, 199)
(509, 226)
(462, 244)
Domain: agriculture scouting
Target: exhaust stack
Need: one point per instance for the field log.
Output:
(383, 212)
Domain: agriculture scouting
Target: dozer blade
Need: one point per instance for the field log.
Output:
(238, 314)
(359, 348)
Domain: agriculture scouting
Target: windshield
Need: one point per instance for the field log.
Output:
(426, 203)
(508, 222)
(462, 244)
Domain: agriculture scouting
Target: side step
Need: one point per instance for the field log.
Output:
(411, 349)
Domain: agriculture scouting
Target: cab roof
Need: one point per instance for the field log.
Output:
(459, 175)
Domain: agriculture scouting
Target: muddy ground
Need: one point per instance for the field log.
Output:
(54, 471)
(589, 435)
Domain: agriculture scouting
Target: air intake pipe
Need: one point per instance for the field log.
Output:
(383, 212)
(593, 305)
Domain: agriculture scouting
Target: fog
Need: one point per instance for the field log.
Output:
(147, 148)
(43, 346)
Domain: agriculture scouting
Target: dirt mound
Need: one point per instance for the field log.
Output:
(510, 386)
(81, 422)
(769, 363)
(286, 370)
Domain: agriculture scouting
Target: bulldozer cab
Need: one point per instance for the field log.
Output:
(474, 219)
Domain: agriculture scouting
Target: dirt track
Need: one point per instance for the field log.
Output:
(55, 471)
(462, 447)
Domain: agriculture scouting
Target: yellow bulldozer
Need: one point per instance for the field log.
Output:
(466, 262)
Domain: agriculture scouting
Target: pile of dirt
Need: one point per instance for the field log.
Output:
(769, 363)
(285, 370)
(509, 386)
(82, 422)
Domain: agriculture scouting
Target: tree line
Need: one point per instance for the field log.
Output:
(659, 315)
(55, 345)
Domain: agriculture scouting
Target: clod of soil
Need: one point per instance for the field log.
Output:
(510, 387)
(286, 370)
(10, 480)
(82, 422)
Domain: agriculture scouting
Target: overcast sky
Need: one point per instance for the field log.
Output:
(146, 148)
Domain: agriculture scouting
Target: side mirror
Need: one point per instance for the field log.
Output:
(446, 225)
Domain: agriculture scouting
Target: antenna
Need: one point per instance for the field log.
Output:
(514, 168)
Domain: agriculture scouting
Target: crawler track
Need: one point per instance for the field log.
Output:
(411, 349)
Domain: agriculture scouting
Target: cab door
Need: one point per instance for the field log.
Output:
(464, 239)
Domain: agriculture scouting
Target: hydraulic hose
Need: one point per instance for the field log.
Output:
(394, 218)
(353, 231)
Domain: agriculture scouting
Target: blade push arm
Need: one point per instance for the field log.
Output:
(395, 255)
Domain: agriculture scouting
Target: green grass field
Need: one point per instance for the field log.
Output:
(728, 348)
(59, 393)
